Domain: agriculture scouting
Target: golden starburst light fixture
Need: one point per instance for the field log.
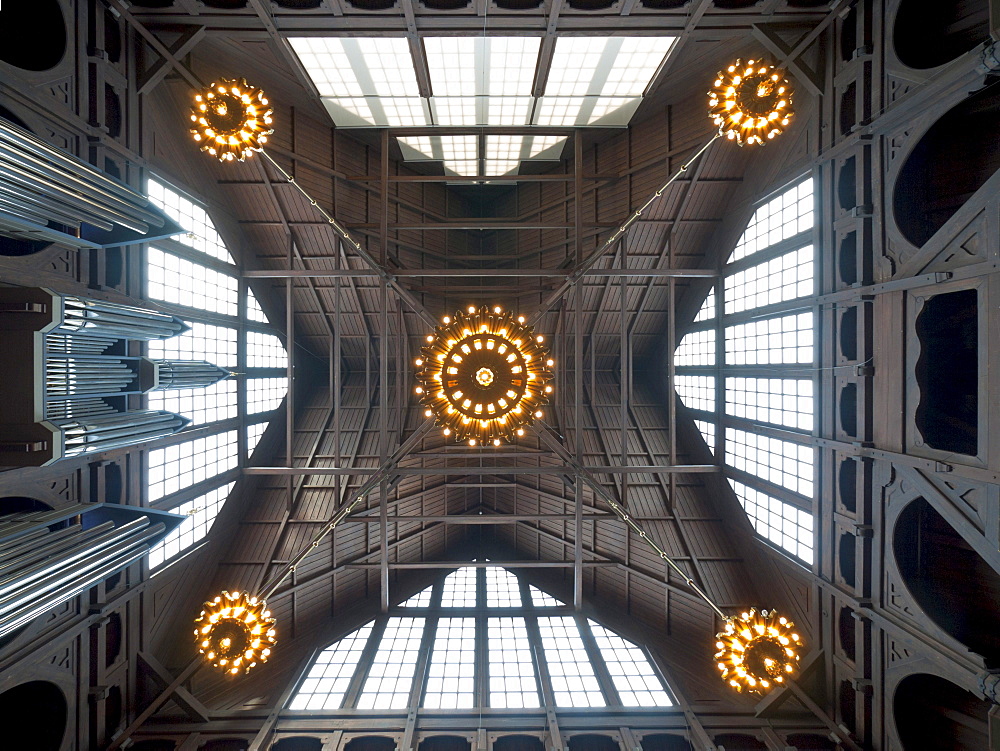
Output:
(235, 631)
(484, 375)
(231, 119)
(757, 650)
(750, 102)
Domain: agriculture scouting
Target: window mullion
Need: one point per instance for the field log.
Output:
(423, 660)
(365, 663)
(611, 696)
(541, 667)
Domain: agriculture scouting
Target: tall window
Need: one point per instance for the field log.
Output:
(481, 638)
(196, 277)
(746, 370)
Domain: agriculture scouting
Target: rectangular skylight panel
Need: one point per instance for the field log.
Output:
(386, 62)
(402, 112)
(502, 167)
(579, 65)
(329, 677)
(558, 110)
(504, 147)
(507, 110)
(634, 66)
(329, 65)
(451, 674)
(464, 167)
(610, 110)
(390, 677)
(454, 110)
(417, 148)
(585, 110)
(781, 523)
(630, 669)
(572, 676)
(780, 401)
(783, 463)
(200, 513)
(512, 63)
(512, 678)
(545, 147)
(353, 112)
(771, 341)
(452, 63)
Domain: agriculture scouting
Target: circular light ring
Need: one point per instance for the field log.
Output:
(231, 119)
(484, 375)
(750, 102)
(757, 651)
(235, 631)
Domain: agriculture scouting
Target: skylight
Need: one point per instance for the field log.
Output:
(481, 80)
(519, 655)
(201, 513)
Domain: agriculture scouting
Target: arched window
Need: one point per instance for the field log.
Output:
(746, 369)
(195, 276)
(481, 637)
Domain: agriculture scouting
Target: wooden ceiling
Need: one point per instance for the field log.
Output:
(609, 333)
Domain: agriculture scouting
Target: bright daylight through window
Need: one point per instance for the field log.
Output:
(495, 642)
(763, 391)
(196, 277)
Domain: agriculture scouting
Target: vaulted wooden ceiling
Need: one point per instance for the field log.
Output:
(610, 333)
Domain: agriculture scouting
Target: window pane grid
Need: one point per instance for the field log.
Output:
(780, 279)
(502, 589)
(421, 599)
(176, 467)
(254, 433)
(390, 677)
(329, 677)
(201, 234)
(254, 311)
(451, 675)
(202, 405)
(696, 348)
(697, 391)
(265, 394)
(788, 527)
(779, 401)
(265, 351)
(541, 599)
(780, 218)
(460, 589)
(177, 280)
(707, 310)
(203, 341)
(512, 673)
(771, 341)
(707, 429)
(201, 513)
(634, 678)
(571, 674)
(783, 463)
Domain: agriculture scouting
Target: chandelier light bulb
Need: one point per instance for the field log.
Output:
(757, 651)
(750, 102)
(234, 632)
(481, 376)
(231, 120)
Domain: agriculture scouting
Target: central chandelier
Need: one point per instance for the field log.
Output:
(235, 631)
(757, 650)
(750, 102)
(484, 375)
(231, 119)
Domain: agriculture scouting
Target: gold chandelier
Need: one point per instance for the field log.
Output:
(231, 119)
(757, 650)
(484, 376)
(235, 632)
(750, 102)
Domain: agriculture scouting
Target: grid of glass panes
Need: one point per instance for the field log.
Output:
(390, 677)
(634, 678)
(780, 218)
(707, 430)
(265, 351)
(512, 679)
(541, 599)
(451, 675)
(780, 340)
(201, 234)
(202, 405)
(330, 675)
(502, 589)
(779, 401)
(181, 465)
(697, 391)
(570, 671)
(707, 310)
(265, 394)
(780, 279)
(254, 311)
(790, 465)
(421, 599)
(255, 432)
(460, 589)
(788, 527)
(696, 348)
(177, 280)
(203, 341)
(201, 513)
